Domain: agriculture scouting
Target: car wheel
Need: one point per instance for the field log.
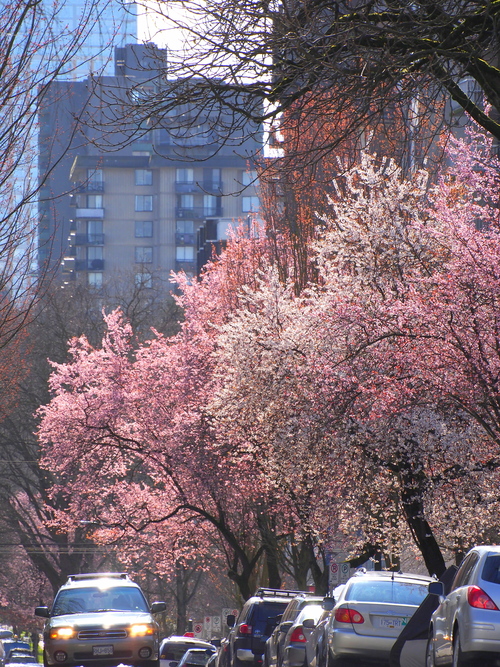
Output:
(429, 653)
(458, 659)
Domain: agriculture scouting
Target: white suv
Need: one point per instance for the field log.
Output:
(101, 619)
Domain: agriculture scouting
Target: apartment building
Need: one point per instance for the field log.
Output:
(142, 213)
(136, 206)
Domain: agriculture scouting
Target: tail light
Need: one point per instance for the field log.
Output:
(298, 635)
(477, 598)
(245, 629)
(345, 615)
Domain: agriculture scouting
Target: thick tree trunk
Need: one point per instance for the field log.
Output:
(413, 506)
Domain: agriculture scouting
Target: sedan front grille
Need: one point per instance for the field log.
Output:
(102, 634)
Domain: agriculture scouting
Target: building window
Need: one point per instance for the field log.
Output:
(184, 175)
(144, 280)
(94, 201)
(143, 202)
(250, 204)
(212, 179)
(184, 227)
(211, 205)
(143, 177)
(143, 254)
(249, 177)
(186, 201)
(94, 227)
(94, 279)
(184, 253)
(143, 229)
(95, 252)
(95, 177)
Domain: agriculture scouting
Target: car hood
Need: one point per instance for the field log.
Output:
(102, 619)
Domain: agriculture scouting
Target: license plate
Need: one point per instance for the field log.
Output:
(389, 622)
(102, 650)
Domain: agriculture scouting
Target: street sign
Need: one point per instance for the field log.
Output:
(333, 578)
(345, 571)
(198, 629)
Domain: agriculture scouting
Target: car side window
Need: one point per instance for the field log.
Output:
(288, 613)
(464, 571)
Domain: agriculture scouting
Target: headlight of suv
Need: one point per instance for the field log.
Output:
(141, 630)
(62, 633)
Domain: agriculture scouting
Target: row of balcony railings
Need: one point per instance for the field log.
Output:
(198, 212)
(88, 239)
(89, 213)
(89, 186)
(89, 264)
(215, 187)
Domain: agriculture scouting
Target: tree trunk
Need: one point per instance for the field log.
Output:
(413, 506)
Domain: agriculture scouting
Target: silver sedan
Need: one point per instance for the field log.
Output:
(465, 628)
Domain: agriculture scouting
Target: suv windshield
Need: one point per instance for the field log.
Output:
(387, 591)
(92, 599)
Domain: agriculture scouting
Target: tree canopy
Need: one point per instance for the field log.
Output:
(357, 67)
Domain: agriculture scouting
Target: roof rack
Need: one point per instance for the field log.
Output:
(278, 592)
(97, 575)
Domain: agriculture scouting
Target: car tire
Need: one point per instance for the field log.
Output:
(457, 658)
(429, 653)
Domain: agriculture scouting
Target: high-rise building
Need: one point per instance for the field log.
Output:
(99, 28)
(134, 208)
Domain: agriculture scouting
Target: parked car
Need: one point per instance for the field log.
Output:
(174, 647)
(297, 649)
(368, 615)
(465, 628)
(16, 659)
(274, 648)
(101, 619)
(256, 621)
(197, 657)
(15, 645)
(19, 655)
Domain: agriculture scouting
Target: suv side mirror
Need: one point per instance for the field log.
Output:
(157, 607)
(309, 623)
(436, 588)
(231, 620)
(328, 603)
(42, 611)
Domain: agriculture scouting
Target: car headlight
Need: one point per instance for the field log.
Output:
(141, 630)
(62, 633)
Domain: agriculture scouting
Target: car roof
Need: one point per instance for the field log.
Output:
(275, 595)
(180, 639)
(486, 549)
(102, 579)
(385, 574)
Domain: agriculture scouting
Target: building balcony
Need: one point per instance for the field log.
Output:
(186, 186)
(88, 239)
(89, 264)
(185, 239)
(90, 186)
(213, 187)
(89, 213)
(198, 212)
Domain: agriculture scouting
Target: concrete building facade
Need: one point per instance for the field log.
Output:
(132, 207)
